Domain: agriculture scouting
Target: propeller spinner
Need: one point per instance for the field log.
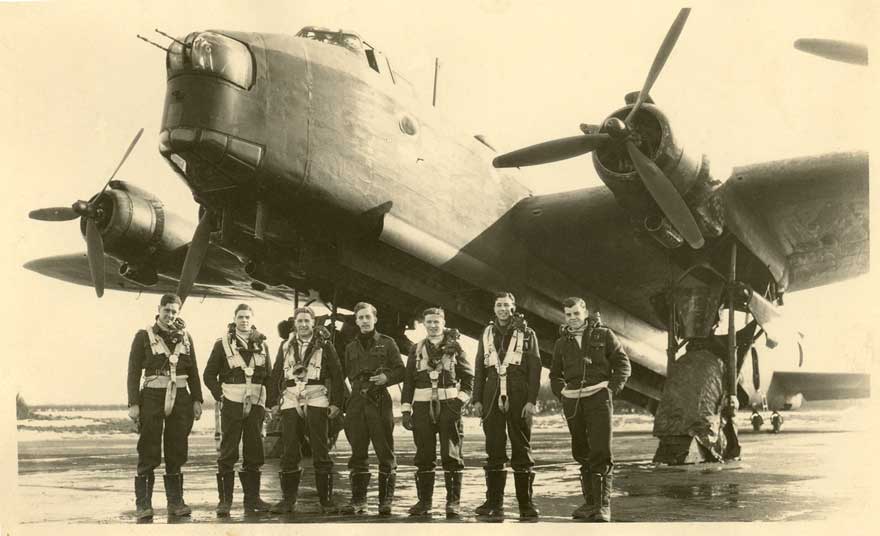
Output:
(92, 213)
(621, 132)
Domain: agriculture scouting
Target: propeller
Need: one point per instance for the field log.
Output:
(195, 256)
(833, 49)
(621, 132)
(660, 59)
(54, 214)
(92, 213)
(667, 197)
(551, 151)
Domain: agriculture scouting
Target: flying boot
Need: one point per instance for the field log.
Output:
(425, 490)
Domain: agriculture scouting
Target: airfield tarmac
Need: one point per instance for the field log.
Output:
(817, 469)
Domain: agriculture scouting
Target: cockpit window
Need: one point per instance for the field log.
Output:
(342, 39)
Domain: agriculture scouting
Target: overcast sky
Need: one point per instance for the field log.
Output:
(75, 86)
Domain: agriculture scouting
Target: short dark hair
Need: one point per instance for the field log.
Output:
(169, 298)
(433, 311)
(303, 310)
(364, 305)
(503, 294)
(243, 307)
(574, 301)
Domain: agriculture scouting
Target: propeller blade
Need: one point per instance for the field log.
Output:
(95, 250)
(53, 214)
(660, 59)
(124, 157)
(551, 151)
(198, 248)
(832, 49)
(666, 196)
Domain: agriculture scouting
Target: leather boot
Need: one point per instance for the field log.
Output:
(453, 492)
(358, 503)
(601, 488)
(174, 495)
(289, 490)
(586, 510)
(324, 485)
(225, 489)
(250, 483)
(495, 482)
(143, 496)
(387, 483)
(425, 491)
(523, 481)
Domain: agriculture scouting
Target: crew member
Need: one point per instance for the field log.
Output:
(437, 384)
(506, 381)
(307, 389)
(164, 353)
(372, 364)
(237, 374)
(589, 368)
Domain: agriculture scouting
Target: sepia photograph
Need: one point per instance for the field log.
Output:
(331, 263)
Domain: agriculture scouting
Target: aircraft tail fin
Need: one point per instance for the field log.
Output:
(789, 389)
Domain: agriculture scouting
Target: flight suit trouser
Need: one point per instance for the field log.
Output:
(245, 430)
(589, 423)
(370, 420)
(176, 427)
(450, 429)
(316, 426)
(498, 425)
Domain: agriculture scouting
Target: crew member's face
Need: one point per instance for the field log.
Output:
(168, 312)
(304, 324)
(365, 320)
(434, 325)
(504, 308)
(243, 320)
(575, 316)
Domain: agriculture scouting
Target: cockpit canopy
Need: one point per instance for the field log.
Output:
(348, 40)
(353, 43)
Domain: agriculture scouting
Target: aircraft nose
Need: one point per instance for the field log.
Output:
(213, 113)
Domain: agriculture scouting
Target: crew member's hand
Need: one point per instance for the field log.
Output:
(134, 412)
(197, 410)
(529, 410)
(334, 412)
(478, 408)
(406, 420)
(379, 379)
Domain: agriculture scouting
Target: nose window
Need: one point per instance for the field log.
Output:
(224, 57)
(213, 54)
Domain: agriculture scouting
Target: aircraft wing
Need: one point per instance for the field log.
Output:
(214, 280)
(806, 219)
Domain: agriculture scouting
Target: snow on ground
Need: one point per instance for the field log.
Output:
(62, 424)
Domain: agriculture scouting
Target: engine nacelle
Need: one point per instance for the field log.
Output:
(137, 230)
(688, 172)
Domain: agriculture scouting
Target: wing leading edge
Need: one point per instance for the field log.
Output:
(74, 268)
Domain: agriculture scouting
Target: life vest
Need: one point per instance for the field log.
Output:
(158, 347)
(300, 395)
(512, 357)
(247, 393)
(423, 363)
